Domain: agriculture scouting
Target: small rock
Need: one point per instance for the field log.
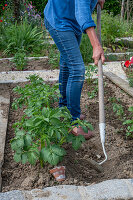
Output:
(27, 182)
(75, 181)
(98, 156)
(41, 180)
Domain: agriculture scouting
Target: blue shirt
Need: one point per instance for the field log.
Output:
(73, 15)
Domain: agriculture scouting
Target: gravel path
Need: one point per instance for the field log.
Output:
(48, 75)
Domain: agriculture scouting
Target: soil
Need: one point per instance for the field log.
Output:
(78, 172)
(34, 64)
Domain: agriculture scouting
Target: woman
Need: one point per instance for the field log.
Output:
(66, 20)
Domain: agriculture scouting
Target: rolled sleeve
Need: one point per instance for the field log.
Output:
(83, 13)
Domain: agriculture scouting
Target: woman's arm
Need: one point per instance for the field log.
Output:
(97, 49)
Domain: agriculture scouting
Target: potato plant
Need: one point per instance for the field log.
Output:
(43, 129)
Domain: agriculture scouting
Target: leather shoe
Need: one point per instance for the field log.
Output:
(79, 131)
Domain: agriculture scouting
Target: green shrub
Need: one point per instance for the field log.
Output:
(113, 6)
(112, 27)
(19, 60)
(21, 36)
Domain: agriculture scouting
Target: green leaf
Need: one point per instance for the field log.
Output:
(51, 132)
(77, 142)
(17, 157)
(14, 145)
(37, 121)
(131, 109)
(90, 126)
(24, 158)
(19, 151)
(32, 158)
(128, 121)
(50, 155)
(85, 129)
(20, 133)
(55, 122)
(27, 140)
(70, 138)
(45, 153)
(53, 159)
(20, 142)
(46, 119)
(58, 135)
(58, 150)
(45, 112)
(29, 122)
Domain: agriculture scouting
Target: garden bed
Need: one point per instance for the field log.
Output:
(34, 64)
(119, 148)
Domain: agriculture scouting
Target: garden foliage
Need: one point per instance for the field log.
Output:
(43, 129)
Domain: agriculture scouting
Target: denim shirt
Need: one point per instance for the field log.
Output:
(72, 15)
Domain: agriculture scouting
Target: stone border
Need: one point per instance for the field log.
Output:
(29, 58)
(117, 189)
(119, 82)
(3, 128)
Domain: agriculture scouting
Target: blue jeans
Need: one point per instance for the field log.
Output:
(72, 69)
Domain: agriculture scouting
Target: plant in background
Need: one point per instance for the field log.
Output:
(93, 83)
(28, 12)
(86, 49)
(128, 69)
(19, 59)
(21, 36)
(130, 79)
(54, 56)
(129, 123)
(43, 130)
(118, 109)
(94, 89)
(6, 19)
(90, 70)
(109, 23)
(40, 4)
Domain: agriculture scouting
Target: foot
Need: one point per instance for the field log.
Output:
(82, 117)
(79, 131)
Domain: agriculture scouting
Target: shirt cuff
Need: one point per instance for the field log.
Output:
(87, 25)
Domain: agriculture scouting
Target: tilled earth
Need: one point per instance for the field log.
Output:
(78, 172)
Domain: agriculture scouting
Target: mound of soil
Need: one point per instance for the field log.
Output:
(119, 148)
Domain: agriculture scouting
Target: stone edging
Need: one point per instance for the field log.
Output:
(29, 58)
(117, 189)
(3, 127)
(119, 82)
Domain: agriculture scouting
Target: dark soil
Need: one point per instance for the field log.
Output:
(34, 64)
(119, 148)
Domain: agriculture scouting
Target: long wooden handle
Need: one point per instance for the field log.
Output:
(100, 71)
(101, 93)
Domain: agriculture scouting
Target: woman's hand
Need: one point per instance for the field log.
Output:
(98, 54)
(101, 2)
